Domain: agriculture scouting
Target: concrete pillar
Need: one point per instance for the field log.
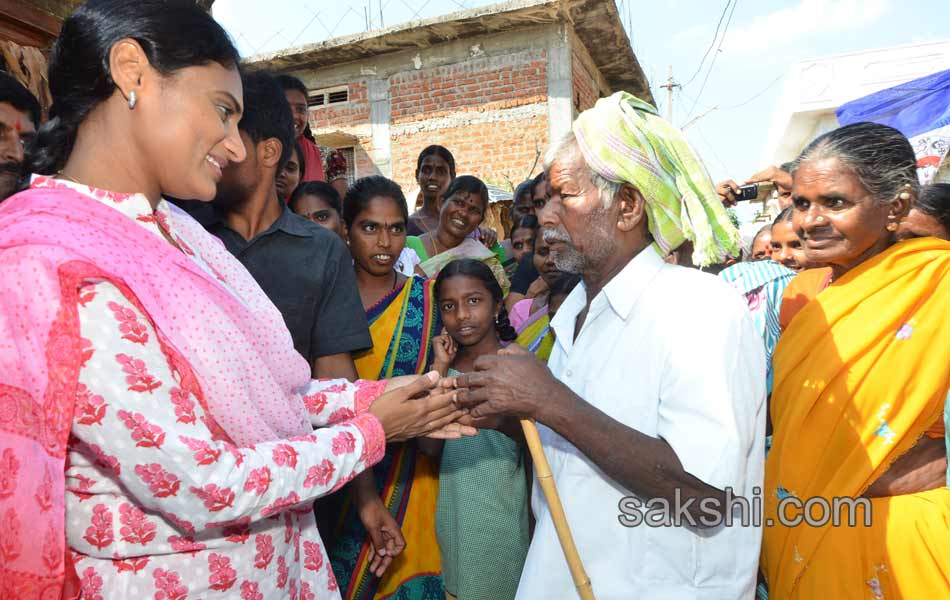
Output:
(560, 84)
(379, 114)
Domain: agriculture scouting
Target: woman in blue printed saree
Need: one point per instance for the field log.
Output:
(403, 319)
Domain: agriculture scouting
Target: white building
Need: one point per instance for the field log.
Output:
(815, 88)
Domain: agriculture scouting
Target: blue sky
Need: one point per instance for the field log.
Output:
(763, 39)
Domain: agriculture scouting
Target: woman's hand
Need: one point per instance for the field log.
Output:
(444, 348)
(488, 236)
(386, 539)
(415, 409)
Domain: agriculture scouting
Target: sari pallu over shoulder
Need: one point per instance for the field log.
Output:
(860, 374)
(402, 326)
(52, 238)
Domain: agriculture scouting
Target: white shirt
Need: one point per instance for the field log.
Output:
(672, 353)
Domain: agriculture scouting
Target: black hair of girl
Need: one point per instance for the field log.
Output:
(174, 34)
(525, 222)
(365, 189)
(471, 185)
(469, 267)
(440, 151)
(934, 201)
(320, 189)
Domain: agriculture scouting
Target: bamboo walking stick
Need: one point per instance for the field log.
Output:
(543, 472)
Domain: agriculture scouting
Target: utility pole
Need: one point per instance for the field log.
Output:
(670, 85)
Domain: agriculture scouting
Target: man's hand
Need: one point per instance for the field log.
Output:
(774, 175)
(514, 383)
(727, 191)
(386, 540)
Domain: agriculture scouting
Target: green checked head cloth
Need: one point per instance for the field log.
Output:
(623, 140)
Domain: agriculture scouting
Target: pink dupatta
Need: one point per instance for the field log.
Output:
(52, 238)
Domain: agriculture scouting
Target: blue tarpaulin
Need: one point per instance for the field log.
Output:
(920, 109)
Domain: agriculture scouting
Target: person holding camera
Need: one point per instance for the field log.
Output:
(780, 177)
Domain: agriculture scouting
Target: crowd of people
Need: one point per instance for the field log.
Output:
(226, 371)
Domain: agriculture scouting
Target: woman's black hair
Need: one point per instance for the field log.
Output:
(524, 188)
(564, 284)
(783, 217)
(440, 151)
(367, 188)
(174, 34)
(324, 191)
(538, 180)
(469, 267)
(879, 156)
(934, 201)
(524, 222)
(469, 184)
(301, 159)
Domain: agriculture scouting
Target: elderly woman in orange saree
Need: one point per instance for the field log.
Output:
(861, 380)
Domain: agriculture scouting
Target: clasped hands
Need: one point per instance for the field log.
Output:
(513, 383)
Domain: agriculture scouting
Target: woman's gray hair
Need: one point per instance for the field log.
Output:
(565, 148)
(879, 156)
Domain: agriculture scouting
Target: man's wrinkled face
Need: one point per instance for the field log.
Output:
(577, 227)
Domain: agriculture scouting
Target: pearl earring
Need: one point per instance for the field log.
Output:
(132, 100)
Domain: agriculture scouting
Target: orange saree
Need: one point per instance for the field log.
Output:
(861, 372)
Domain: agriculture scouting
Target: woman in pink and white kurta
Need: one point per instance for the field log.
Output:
(160, 500)
(156, 425)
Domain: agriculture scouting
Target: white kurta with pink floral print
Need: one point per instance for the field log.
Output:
(160, 504)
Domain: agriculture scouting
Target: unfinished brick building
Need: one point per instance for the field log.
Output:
(493, 84)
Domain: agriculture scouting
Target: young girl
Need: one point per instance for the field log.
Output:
(482, 516)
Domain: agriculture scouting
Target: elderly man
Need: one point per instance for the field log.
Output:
(656, 390)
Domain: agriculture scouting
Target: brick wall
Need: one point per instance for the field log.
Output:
(490, 111)
(519, 77)
(353, 112)
(585, 89)
(499, 152)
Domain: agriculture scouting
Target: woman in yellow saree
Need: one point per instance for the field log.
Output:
(403, 319)
(861, 380)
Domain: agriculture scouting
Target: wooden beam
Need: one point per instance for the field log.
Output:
(23, 23)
